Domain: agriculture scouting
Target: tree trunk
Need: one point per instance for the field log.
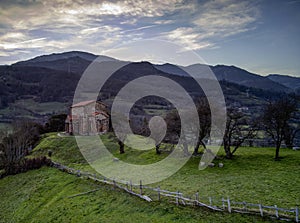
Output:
(229, 154)
(121, 146)
(277, 151)
(185, 149)
(289, 144)
(203, 144)
(196, 149)
(157, 149)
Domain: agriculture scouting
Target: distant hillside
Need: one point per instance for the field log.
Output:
(230, 74)
(171, 69)
(74, 61)
(288, 81)
(77, 62)
(72, 64)
(43, 84)
(242, 77)
(65, 55)
(53, 79)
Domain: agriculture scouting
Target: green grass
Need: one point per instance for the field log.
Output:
(28, 108)
(14, 111)
(252, 175)
(41, 108)
(44, 195)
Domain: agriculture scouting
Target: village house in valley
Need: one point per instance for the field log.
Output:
(87, 118)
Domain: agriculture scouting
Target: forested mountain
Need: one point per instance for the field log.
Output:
(53, 79)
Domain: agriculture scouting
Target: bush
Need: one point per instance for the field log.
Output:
(25, 165)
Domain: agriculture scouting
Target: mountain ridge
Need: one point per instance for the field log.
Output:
(78, 61)
(40, 81)
(64, 55)
(286, 80)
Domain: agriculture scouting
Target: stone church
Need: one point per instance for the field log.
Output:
(87, 118)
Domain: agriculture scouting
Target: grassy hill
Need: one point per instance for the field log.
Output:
(45, 195)
(252, 176)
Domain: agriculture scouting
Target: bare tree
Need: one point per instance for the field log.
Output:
(173, 127)
(238, 129)
(120, 120)
(292, 130)
(175, 132)
(15, 144)
(155, 129)
(275, 120)
(121, 146)
(205, 123)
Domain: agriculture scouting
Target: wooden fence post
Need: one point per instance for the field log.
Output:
(245, 205)
(114, 182)
(261, 210)
(223, 205)
(130, 185)
(297, 214)
(158, 193)
(210, 201)
(78, 173)
(276, 211)
(177, 200)
(197, 198)
(141, 187)
(228, 205)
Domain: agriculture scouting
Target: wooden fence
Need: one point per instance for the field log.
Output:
(157, 194)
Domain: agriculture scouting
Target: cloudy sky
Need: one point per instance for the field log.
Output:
(262, 36)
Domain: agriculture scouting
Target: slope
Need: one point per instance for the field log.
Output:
(45, 195)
